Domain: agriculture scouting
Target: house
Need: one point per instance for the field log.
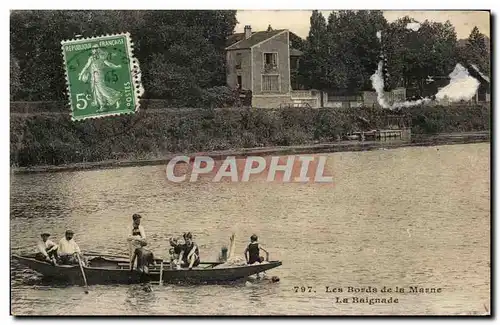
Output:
(262, 63)
(483, 93)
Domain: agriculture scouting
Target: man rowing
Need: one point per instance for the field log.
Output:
(68, 249)
(136, 236)
(190, 254)
(47, 249)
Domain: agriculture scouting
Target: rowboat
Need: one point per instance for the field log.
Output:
(111, 269)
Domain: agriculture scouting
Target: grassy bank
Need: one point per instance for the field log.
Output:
(339, 146)
(53, 139)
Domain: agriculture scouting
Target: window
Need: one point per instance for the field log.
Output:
(271, 60)
(239, 82)
(270, 83)
(294, 63)
(238, 60)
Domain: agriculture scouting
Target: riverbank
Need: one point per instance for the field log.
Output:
(340, 146)
(55, 140)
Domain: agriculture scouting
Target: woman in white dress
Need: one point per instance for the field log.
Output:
(102, 95)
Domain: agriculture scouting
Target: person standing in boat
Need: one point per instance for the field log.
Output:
(47, 249)
(136, 236)
(68, 249)
(190, 254)
(252, 252)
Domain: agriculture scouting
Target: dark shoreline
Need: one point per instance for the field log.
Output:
(418, 140)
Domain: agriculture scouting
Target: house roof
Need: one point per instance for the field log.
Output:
(486, 78)
(256, 38)
(233, 38)
(295, 52)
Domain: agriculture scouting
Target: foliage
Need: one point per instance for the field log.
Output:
(457, 118)
(413, 56)
(15, 76)
(312, 69)
(353, 37)
(343, 53)
(296, 42)
(52, 139)
(476, 51)
(179, 51)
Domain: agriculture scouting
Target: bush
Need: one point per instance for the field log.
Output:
(53, 139)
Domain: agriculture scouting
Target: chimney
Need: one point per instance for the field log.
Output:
(248, 31)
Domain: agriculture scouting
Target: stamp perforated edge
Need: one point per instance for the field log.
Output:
(135, 76)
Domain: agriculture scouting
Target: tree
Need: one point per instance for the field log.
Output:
(344, 53)
(36, 37)
(296, 42)
(15, 78)
(476, 51)
(353, 37)
(413, 56)
(180, 52)
(312, 69)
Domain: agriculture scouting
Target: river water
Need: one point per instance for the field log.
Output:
(405, 217)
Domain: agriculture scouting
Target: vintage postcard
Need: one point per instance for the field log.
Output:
(239, 162)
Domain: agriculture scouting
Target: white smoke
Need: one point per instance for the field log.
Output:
(377, 80)
(411, 103)
(462, 86)
(413, 26)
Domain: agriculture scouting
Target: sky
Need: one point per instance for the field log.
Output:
(297, 21)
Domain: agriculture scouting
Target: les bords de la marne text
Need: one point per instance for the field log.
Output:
(368, 292)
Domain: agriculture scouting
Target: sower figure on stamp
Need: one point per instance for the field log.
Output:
(136, 236)
(102, 95)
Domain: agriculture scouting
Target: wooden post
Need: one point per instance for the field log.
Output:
(161, 273)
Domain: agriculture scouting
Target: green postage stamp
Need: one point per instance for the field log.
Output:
(103, 77)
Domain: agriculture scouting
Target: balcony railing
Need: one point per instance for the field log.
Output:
(269, 67)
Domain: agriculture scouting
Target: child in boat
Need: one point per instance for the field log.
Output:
(228, 257)
(47, 249)
(252, 252)
(190, 255)
(175, 250)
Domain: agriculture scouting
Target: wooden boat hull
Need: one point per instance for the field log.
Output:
(107, 271)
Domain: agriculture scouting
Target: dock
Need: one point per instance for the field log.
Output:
(403, 134)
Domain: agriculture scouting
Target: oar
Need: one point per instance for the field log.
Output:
(83, 274)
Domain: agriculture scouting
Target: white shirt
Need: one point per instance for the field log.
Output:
(131, 237)
(141, 231)
(68, 247)
(132, 243)
(44, 246)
